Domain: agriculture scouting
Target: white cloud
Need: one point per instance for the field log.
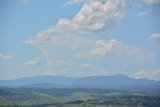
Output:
(100, 49)
(5, 57)
(154, 74)
(84, 66)
(24, 1)
(94, 16)
(155, 36)
(114, 47)
(70, 2)
(143, 13)
(152, 1)
(32, 62)
(70, 41)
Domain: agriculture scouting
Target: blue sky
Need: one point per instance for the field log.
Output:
(79, 38)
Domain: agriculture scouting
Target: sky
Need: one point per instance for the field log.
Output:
(78, 38)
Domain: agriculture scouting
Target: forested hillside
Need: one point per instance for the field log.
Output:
(78, 97)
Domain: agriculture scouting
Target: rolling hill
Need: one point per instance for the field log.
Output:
(114, 81)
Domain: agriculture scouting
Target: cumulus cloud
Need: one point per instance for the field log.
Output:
(113, 47)
(69, 41)
(155, 36)
(93, 17)
(100, 49)
(143, 13)
(32, 62)
(154, 74)
(5, 57)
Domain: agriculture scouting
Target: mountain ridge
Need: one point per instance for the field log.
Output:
(47, 81)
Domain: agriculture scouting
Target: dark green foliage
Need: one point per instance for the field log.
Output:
(70, 97)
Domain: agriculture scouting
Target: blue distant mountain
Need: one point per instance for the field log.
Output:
(114, 81)
(45, 81)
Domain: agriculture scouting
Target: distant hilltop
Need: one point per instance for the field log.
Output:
(46, 81)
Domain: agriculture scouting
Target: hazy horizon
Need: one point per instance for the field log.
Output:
(68, 76)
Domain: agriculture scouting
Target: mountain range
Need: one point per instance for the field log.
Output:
(46, 81)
